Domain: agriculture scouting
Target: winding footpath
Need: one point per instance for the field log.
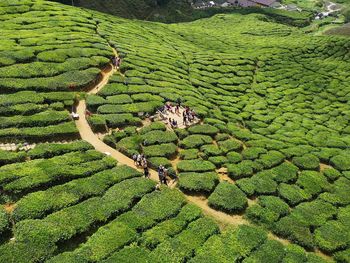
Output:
(88, 135)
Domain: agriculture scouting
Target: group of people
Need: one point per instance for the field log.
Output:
(188, 116)
(116, 61)
(141, 161)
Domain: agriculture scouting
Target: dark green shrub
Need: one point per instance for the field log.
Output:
(293, 194)
(198, 182)
(49, 150)
(195, 165)
(129, 145)
(222, 137)
(228, 197)
(332, 236)
(247, 186)
(156, 161)
(121, 120)
(211, 150)
(153, 126)
(4, 220)
(307, 162)
(264, 183)
(331, 174)
(341, 162)
(338, 193)
(118, 99)
(342, 256)
(312, 182)
(205, 129)
(231, 245)
(234, 157)
(158, 137)
(194, 141)
(271, 249)
(285, 172)
(218, 161)
(268, 210)
(189, 154)
(252, 153)
(167, 150)
(245, 168)
(295, 231)
(97, 123)
(181, 247)
(94, 101)
(182, 133)
(271, 159)
(118, 135)
(230, 145)
(7, 157)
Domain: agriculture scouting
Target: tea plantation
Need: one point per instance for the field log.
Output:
(272, 147)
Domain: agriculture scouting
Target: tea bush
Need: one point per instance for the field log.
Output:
(228, 197)
(198, 182)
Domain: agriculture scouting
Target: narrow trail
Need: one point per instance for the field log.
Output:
(88, 135)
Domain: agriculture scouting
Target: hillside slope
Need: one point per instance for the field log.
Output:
(274, 110)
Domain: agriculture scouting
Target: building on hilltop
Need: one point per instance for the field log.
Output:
(253, 3)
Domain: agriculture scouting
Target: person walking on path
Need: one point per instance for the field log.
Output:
(134, 157)
(161, 173)
(165, 175)
(146, 171)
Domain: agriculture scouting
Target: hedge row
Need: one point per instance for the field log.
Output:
(4, 220)
(49, 150)
(231, 245)
(203, 183)
(167, 150)
(169, 228)
(182, 246)
(39, 238)
(195, 165)
(62, 173)
(7, 157)
(37, 167)
(51, 132)
(229, 198)
(38, 204)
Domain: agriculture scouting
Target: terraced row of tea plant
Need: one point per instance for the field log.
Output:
(275, 118)
(274, 104)
(47, 53)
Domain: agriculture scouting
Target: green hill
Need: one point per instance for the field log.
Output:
(274, 109)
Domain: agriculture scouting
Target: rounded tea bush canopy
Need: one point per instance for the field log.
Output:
(270, 151)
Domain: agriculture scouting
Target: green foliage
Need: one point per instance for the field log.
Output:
(231, 245)
(268, 210)
(271, 249)
(49, 150)
(158, 137)
(4, 220)
(195, 165)
(341, 162)
(198, 182)
(189, 154)
(7, 157)
(162, 150)
(307, 162)
(229, 145)
(205, 129)
(97, 123)
(153, 126)
(171, 227)
(182, 246)
(194, 141)
(38, 204)
(228, 197)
